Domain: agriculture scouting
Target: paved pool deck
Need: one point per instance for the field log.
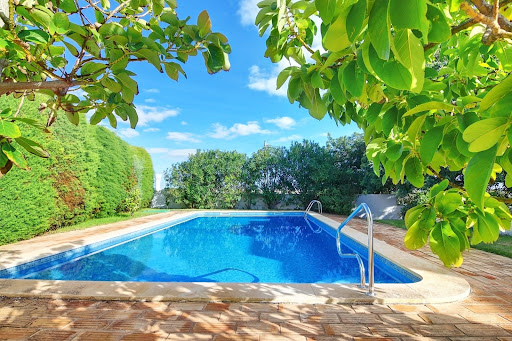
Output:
(485, 315)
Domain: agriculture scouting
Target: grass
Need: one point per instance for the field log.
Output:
(503, 246)
(107, 220)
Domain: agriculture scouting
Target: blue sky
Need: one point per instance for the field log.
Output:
(235, 110)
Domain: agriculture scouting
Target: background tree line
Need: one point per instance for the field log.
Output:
(91, 173)
(334, 174)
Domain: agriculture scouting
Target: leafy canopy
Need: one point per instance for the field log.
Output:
(60, 46)
(429, 83)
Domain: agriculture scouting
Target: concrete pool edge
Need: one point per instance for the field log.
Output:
(438, 285)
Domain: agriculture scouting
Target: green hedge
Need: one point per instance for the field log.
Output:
(90, 173)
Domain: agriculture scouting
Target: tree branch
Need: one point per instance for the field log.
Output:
(6, 87)
(464, 25)
(117, 9)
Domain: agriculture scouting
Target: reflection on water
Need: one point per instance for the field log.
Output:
(272, 249)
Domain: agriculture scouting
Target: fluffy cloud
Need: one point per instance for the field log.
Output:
(238, 129)
(175, 155)
(148, 114)
(182, 137)
(152, 91)
(283, 122)
(184, 123)
(128, 133)
(157, 150)
(247, 11)
(266, 80)
(151, 130)
(288, 139)
(150, 100)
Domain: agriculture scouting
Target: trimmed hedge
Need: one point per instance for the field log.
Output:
(91, 172)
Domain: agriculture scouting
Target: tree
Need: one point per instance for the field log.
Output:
(208, 179)
(57, 47)
(269, 171)
(310, 166)
(429, 83)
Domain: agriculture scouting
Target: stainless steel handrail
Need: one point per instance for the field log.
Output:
(371, 274)
(311, 206)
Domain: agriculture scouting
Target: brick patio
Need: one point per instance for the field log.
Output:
(485, 315)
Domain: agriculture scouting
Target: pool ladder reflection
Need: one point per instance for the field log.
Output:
(369, 220)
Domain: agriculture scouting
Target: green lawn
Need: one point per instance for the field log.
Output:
(503, 246)
(108, 220)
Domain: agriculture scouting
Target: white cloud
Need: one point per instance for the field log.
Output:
(175, 155)
(182, 137)
(184, 123)
(149, 114)
(283, 122)
(248, 11)
(238, 129)
(150, 100)
(128, 133)
(152, 91)
(288, 139)
(151, 130)
(266, 80)
(157, 150)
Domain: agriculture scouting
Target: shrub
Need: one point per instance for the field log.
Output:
(90, 173)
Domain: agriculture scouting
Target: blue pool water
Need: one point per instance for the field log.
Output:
(270, 249)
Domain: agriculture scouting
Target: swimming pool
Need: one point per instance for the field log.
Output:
(236, 248)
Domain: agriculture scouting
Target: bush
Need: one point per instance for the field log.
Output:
(90, 173)
(209, 179)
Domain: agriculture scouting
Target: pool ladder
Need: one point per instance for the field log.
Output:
(369, 220)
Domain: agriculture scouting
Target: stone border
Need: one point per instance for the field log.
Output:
(438, 284)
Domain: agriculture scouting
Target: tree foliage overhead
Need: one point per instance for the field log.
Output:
(59, 46)
(429, 83)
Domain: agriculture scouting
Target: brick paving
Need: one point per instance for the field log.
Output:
(485, 315)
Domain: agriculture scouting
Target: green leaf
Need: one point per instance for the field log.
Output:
(283, 76)
(68, 6)
(337, 93)
(326, 9)
(318, 108)
(15, 156)
(214, 59)
(445, 243)
(294, 89)
(484, 134)
(408, 14)
(97, 116)
(477, 175)
(390, 72)
(35, 36)
(438, 188)
(132, 115)
(434, 105)
(355, 19)
(172, 70)
(111, 84)
(412, 215)
(409, 51)
(32, 122)
(128, 82)
(496, 93)
(414, 172)
(204, 23)
(394, 151)
(158, 6)
(416, 236)
(379, 28)
(74, 118)
(430, 143)
(440, 30)
(488, 227)
(32, 147)
(9, 129)
(59, 24)
(353, 79)
(336, 38)
(92, 69)
(447, 202)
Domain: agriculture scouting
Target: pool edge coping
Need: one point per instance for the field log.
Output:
(438, 284)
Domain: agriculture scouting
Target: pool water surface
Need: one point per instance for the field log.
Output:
(243, 249)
